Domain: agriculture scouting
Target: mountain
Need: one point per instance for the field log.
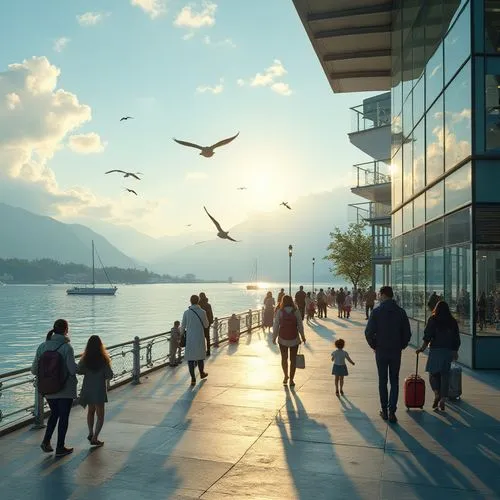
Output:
(265, 237)
(29, 236)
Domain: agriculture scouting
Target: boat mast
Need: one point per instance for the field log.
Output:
(93, 267)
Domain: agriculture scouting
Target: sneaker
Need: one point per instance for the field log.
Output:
(392, 418)
(62, 452)
(46, 448)
(384, 415)
(203, 375)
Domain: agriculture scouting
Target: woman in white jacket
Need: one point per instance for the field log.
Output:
(194, 322)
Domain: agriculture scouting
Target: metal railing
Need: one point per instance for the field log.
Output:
(368, 116)
(20, 402)
(365, 211)
(372, 172)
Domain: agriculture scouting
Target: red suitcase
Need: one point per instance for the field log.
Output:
(414, 390)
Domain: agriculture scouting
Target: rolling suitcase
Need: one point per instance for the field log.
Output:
(455, 385)
(414, 390)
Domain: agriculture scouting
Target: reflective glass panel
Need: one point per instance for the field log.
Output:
(418, 141)
(419, 100)
(407, 169)
(434, 72)
(434, 234)
(457, 44)
(492, 26)
(407, 292)
(397, 180)
(397, 279)
(434, 272)
(408, 116)
(488, 290)
(458, 188)
(457, 118)
(419, 302)
(419, 210)
(434, 141)
(493, 111)
(408, 217)
(457, 227)
(434, 201)
(397, 223)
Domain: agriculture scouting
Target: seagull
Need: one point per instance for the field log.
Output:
(126, 174)
(285, 204)
(221, 233)
(125, 118)
(207, 151)
(189, 225)
(241, 188)
(130, 191)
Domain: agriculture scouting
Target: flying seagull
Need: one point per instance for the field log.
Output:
(189, 225)
(221, 233)
(285, 204)
(130, 191)
(207, 151)
(127, 174)
(125, 118)
(241, 188)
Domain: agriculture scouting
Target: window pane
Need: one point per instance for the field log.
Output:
(492, 111)
(397, 247)
(397, 223)
(457, 227)
(419, 307)
(408, 217)
(408, 244)
(492, 26)
(457, 45)
(407, 169)
(488, 283)
(434, 235)
(397, 181)
(434, 272)
(434, 201)
(433, 50)
(419, 240)
(408, 285)
(419, 210)
(408, 116)
(458, 188)
(458, 118)
(434, 141)
(397, 279)
(419, 157)
(419, 100)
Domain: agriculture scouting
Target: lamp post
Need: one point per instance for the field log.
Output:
(314, 262)
(290, 248)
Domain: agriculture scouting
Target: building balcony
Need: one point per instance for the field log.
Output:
(371, 126)
(370, 212)
(373, 181)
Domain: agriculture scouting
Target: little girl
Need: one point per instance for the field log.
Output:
(339, 367)
(95, 366)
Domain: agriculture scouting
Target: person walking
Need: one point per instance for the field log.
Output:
(388, 334)
(339, 368)
(442, 333)
(281, 294)
(95, 366)
(288, 329)
(193, 326)
(321, 301)
(347, 305)
(370, 297)
(340, 302)
(300, 300)
(174, 344)
(55, 368)
(268, 319)
(204, 304)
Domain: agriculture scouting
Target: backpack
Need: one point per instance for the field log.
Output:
(52, 372)
(288, 325)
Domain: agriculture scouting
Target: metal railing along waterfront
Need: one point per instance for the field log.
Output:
(21, 404)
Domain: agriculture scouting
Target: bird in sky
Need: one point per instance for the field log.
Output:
(242, 188)
(189, 225)
(131, 191)
(207, 151)
(221, 233)
(285, 204)
(125, 118)
(127, 174)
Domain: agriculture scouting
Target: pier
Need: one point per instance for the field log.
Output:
(242, 434)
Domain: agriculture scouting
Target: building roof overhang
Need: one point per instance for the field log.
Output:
(352, 39)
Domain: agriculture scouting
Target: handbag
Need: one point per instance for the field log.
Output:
(182, 342)
(300, 361)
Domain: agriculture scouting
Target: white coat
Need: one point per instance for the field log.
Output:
(195, 334)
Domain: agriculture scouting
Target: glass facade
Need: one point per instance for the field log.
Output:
(446, 167)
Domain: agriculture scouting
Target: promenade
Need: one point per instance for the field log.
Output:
(241, 434)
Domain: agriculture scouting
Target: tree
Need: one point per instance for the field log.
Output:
(351, 254)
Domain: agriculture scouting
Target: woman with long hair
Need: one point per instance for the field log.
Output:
(442, 333)
(269, 303)
(95, 366)
(287, 328)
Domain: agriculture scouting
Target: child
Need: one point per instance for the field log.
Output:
(175, 339)
(348, 305)
(95, 366)
(339, 368)
(234, 328)
(310, 308)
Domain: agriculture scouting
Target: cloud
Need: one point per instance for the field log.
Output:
(91, 18)
(188, 36)
(240, 82)
(227, 42)
(196, 176)
(154, 8)
(269, 78)
(281, 88)
(86, 143)
(188, 17)
(61, 43)
(12, 100)
(217, 89)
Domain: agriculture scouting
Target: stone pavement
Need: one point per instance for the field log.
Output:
(241, 434)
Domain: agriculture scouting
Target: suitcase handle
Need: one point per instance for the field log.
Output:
(416, 367)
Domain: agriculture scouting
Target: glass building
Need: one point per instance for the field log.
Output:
(440, 59)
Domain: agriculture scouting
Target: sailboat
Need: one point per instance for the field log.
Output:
(254, 285)
(93, 290)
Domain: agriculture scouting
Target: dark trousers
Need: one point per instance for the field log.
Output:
(388, 365)
(60, 409)
(322, 309)
(207, 338)
(440, 382)
(368, 310)
(302, 309)
(192, 365)
(340, 309)
(293, 359)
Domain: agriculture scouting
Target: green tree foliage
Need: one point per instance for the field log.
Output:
(350, 253)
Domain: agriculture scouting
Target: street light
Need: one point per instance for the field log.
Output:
(290, 248)
(314, 262)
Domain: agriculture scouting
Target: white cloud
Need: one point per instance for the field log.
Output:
(154, 8)
(271, 77)
(188, 36)
(12, 101)
(188, 17)
(227, 42)
(196, 176)
(240, 82)
(91, 18)
(217, 89)
(281, 88)
(86, 143)
(61, 43)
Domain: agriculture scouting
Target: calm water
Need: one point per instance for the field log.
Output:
(28, 311)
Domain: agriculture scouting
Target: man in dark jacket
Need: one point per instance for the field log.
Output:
(300, 300)
(388, 333)
(203, 303)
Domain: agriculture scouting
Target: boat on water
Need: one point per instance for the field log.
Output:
(254, 284)
(93, 289)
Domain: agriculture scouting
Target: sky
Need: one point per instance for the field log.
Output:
(198, 71)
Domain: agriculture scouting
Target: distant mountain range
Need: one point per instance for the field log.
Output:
(264, 237)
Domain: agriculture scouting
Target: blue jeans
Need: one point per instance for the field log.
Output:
(60, 409)
(388, 365)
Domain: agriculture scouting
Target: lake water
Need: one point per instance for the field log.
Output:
(27, 312)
